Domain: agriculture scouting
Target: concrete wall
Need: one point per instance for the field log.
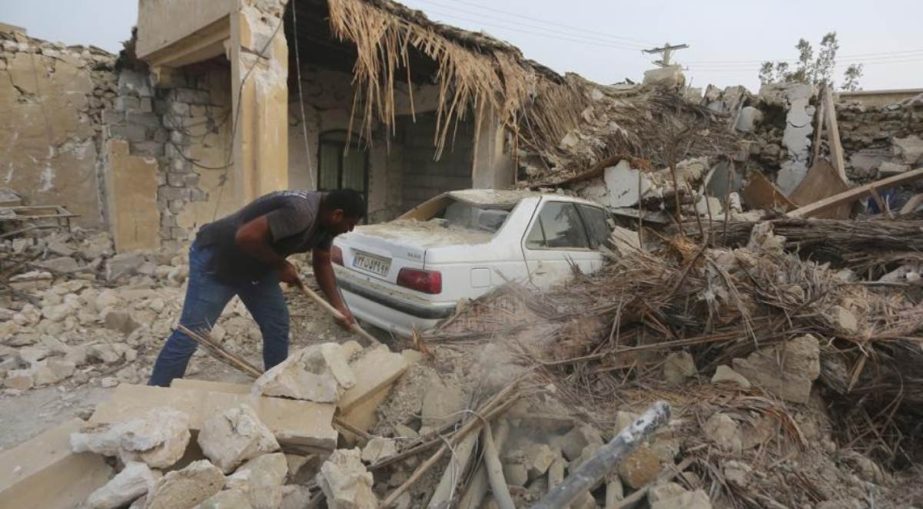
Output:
(159, 24)
(422, 176)
(51, 103)
(878, 98)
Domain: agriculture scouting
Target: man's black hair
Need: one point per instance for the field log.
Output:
(349, 200)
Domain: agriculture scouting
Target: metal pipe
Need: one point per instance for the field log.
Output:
(591, 472)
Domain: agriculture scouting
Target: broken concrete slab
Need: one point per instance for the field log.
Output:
(295, 496)
(134, 481)
(377, 368)
(345, 481)
(158, 438)
(186, 488)
(787, 370)
(234, 436)
(539, 458)
(295, 423)
(44, 472)
(261, 479)
(317, 373)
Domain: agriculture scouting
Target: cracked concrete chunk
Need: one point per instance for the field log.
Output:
(378, 448)
(724, 374)
(186, 488)
(235, 436)
(724, 432)
(678, 367)
(134, 481)
(317, 373)
(261, 479)
(573, 443)
(786, 370)
(158, 439)
(442, 404)
(345, 481)
(910, 149)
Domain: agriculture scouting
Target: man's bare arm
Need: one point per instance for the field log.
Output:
(254, 238)
(323, 272)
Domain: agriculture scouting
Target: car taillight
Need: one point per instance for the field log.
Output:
(336, 255)
(425, 281)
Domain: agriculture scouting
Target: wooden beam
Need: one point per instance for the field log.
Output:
(819, 131)
(912, 205)
(833, 134)
(856, 193)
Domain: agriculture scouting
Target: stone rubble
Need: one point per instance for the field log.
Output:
(134, 481)
(187, 487)
(260, 480)
(317, 373)
(158, 440)
(235, 436)
(345, 481)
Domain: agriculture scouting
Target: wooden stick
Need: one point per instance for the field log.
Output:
(219, 352)
(311, 294)
(499, 400)
(461, 456)
(856, 193)
(495, 476)
(479, 484)
(833, 135)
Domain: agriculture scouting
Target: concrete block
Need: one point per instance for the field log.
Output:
(296, 423)
(377, 368)
(43, 472)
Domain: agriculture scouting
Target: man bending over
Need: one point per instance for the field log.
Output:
(244, 254)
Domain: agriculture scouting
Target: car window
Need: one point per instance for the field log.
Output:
(596, 226)
(558, 226)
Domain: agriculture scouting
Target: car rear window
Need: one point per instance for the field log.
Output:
(464, 215)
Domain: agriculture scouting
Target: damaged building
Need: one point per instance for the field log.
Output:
(750, 338)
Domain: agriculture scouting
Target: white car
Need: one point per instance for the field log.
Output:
(411, 272)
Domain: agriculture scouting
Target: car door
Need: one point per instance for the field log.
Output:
(559, 236)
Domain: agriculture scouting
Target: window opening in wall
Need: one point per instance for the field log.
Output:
(342, 164)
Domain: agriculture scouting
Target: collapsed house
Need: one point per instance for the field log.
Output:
(787, 346)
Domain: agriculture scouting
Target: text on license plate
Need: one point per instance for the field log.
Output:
(371, 263)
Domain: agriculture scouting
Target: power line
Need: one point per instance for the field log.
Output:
(842, 58)
(547, 35)
(557, 25)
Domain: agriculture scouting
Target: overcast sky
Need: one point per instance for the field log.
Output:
(602, 39)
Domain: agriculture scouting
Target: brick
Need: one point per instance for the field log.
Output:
(43, 472)
(127, 103)
(191, 96)
(146, 105)
(145, 119)
(296, 423)
(128, 132)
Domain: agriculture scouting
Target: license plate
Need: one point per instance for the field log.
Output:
(371, 263)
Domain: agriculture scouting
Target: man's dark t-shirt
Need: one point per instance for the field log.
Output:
(293, 226)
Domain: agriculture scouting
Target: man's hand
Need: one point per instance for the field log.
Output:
(348, 320)
(289, 274)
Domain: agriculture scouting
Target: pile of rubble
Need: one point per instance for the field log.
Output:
(73, 312)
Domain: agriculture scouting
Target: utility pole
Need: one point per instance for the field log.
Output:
(667, 51)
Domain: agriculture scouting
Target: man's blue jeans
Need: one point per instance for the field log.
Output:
(206, 297)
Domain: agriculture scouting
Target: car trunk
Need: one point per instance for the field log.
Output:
(381, 250)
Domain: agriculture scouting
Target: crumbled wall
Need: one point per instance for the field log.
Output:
(424, 177)
(183, 124)
(51, 103)
(868, 133)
